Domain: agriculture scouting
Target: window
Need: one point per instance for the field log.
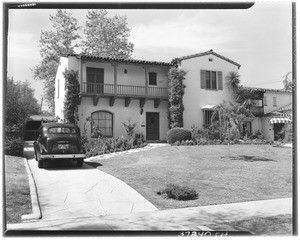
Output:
(152, 78)
(95, 75)
(102, 124)
(62, 130)
(211, 80)
(274, 102)
(207, 118)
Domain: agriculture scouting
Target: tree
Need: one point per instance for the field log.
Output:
(105, 36)
(19, 105)
(228, 117)
(54, 44)
(244, 96)
(233, 80)
(287, 82)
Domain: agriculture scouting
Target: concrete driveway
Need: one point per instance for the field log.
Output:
(66, 191)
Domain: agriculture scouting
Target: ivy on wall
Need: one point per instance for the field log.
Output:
(176, 87)
(72, 99)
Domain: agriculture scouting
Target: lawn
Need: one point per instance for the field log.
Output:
(18, 200)
(248, 173)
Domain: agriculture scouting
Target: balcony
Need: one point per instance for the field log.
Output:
(128, 92)
(257, 111)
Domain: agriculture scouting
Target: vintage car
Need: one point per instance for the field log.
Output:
(58, 141)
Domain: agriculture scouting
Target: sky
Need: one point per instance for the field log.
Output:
(259, 38)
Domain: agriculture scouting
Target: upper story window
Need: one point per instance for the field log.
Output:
(274, 102)
(102, 124)
(95, 80)
(95, 75)
(153, 78)
(211, 80)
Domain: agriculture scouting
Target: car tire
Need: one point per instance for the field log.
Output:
(80, 162)
(40, 163)
(35, 154)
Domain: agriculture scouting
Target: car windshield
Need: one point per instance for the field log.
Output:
(62, 130)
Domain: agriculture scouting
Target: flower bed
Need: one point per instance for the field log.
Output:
(101, 146)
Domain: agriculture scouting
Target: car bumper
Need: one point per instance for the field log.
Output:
(60, 156)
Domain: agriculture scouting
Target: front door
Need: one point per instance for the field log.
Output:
(278, 131)
(152, 126)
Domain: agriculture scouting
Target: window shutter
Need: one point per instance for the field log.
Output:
(265, 100)
(220, 81)
(89, 75)
(203, 79)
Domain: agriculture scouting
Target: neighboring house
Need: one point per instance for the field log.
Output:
(277, 113)
(114, 91)
(270, 118)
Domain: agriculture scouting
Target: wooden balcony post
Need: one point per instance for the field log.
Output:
(115, 65)
(146, 81)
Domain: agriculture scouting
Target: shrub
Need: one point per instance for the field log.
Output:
(177, 192)
(178, 134)
(130, 128)
(138, 139)
(101, 146)
(14, 146)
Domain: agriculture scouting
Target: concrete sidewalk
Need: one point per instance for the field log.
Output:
(177, 219)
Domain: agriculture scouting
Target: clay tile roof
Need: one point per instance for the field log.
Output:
(204, 54)
(268, 89)
(121, 60)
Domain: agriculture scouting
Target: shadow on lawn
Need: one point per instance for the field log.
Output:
(251, 158)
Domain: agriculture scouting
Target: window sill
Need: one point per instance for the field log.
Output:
(215, 90)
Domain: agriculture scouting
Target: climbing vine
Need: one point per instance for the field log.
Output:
(175, 92)
(72, 99)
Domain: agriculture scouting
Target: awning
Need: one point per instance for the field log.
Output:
(209, 107)
(280, 120)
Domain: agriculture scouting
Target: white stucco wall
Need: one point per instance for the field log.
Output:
(60, 87)
(283, 99)
(256, 125)
(194, 97)
(267, 129)
(123, 114)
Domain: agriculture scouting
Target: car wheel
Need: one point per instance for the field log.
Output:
(40, 163)
(79, 162)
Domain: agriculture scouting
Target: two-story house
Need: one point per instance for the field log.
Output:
(277, 113)
(113, 91)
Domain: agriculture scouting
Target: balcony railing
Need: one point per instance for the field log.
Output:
(123, 90)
